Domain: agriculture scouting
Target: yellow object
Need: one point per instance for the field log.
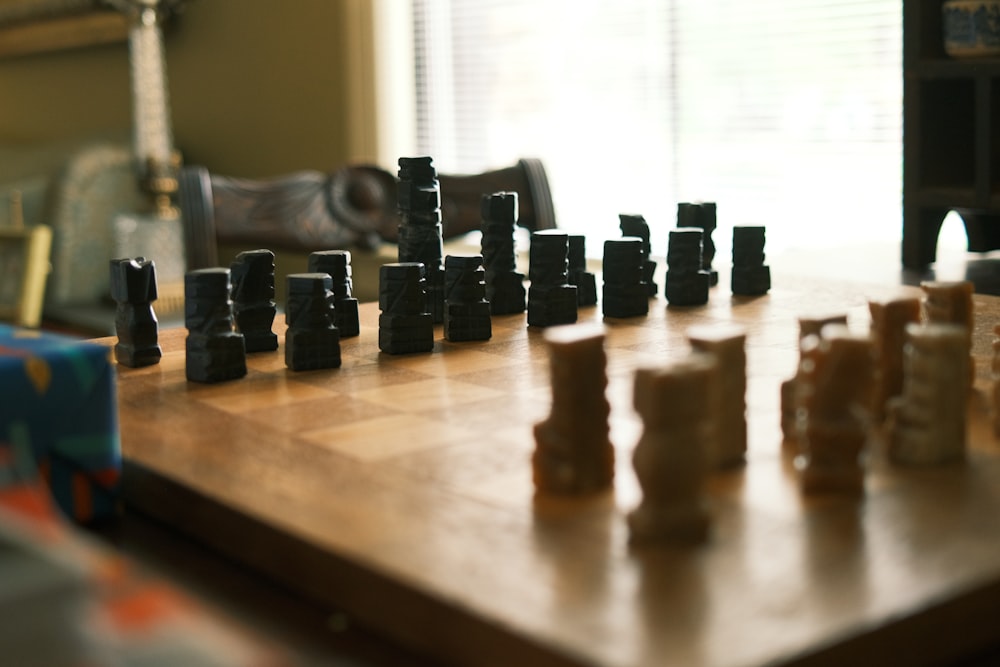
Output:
(39, 373)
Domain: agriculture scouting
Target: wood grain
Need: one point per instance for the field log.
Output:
(62, 32)
(399, 488)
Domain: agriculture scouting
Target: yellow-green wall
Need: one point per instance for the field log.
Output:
(257, 88)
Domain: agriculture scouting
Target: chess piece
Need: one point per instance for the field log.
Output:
(312, 340)
(578, 276)
(215, 352)
(551, 299)
(995, 379)
(950, 302)
(927, 422)
(355, 205)
(624, 293)
(686, 284)
(573, 453)
(728, 346)
(702, 216)
(750, 277)
(133, 288)
(675, 404)
(889, 320)
(252, 275)
(404, 325)
(808, 326)
(635, 225)
(337, 264)
(466, 310)
(419, 197)
(834, 400)
(504, 285)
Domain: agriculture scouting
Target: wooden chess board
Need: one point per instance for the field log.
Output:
(399, 488)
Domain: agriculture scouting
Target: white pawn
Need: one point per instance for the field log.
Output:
(928, 421)
(836, 379)
(670, 457)
(728, 345)
(950, 302)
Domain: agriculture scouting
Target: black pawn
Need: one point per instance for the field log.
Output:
(585, 282)
(704, 216)
(466, 310)
(750, 277)
(252, 273)
(133, 287)
(420, 229)
(686, 283)
(625, 294)
(215, 351)
(337, 264)
(551, 299)
(312, 340)
(636, 225)
(504, 285)
(404, 325)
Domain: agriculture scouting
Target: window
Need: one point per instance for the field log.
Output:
(785, 114)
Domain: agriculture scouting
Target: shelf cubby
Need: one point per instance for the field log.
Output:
(951, 139)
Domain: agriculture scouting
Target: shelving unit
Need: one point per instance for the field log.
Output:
(951, 139)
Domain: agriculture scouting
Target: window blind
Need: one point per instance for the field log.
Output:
(785, 114)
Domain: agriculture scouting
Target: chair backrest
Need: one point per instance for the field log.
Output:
(198, 214)
(353, 207)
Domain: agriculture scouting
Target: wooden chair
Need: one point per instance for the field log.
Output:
(353, 207)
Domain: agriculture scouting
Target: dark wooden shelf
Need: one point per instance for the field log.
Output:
(951, 139)
(934, 68)
(948, 197)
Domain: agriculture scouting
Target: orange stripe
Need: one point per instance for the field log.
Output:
(143, 607)
(27, 500)
(44, 471)
(83, 508)
(33, 502)
(107, 477)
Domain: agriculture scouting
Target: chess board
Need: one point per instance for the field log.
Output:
(399, 488)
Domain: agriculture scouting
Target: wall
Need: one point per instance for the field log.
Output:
(257, 88)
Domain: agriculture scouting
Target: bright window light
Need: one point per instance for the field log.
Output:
(785, 114)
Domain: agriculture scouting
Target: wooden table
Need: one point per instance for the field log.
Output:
(399, 488)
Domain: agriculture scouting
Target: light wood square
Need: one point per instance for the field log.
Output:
(382, 438)
(453, 358)
(266, 391)
(428, 394)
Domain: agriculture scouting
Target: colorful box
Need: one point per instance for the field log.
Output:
(66, 599)
(59, 419)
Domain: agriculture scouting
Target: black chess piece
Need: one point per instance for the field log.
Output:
(686, 283)
(635, 225)
(704, 216)
(578, 275)
(504, 285)
(420, 229)
(625, 294)
(750, 277)
(133, 288)
(252, 275)
(312, 341)
(337, 263)
(215, 351)
(467, 312)
(404, 325)
(551, 299)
